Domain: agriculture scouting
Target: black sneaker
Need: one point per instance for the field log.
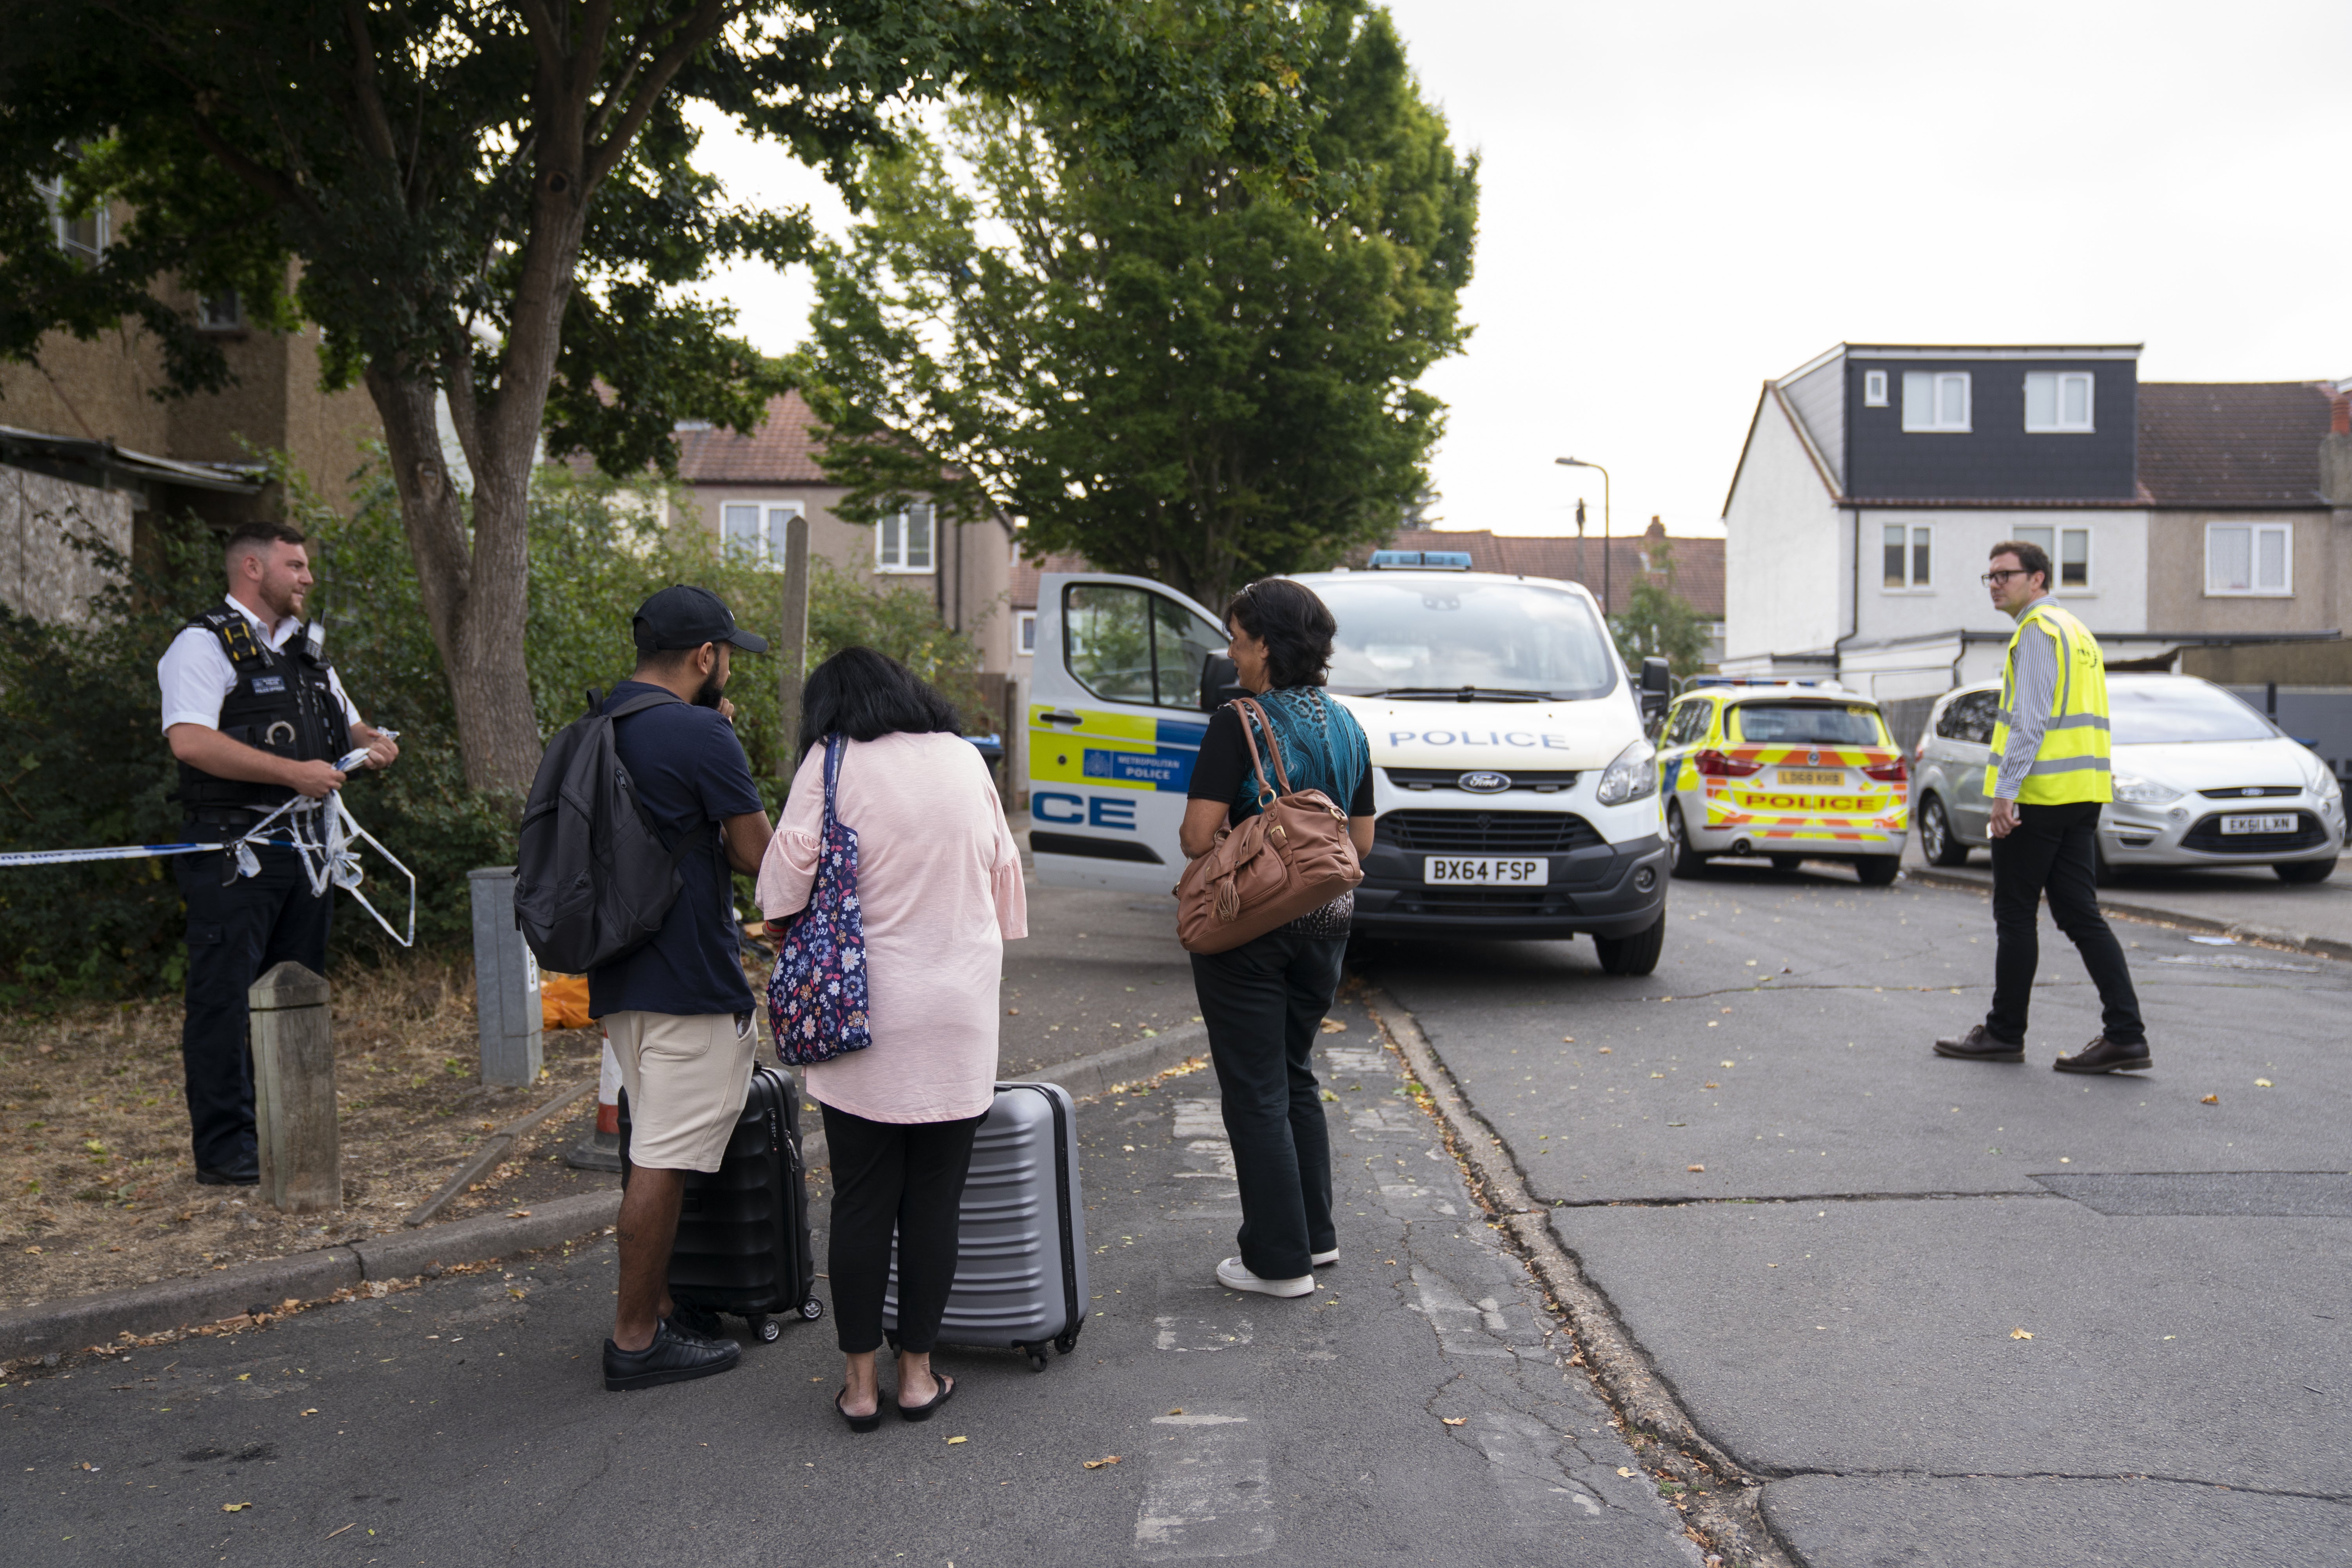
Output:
(1977, 1046)
(227, 1178)
(2102, 1055)
(675, 1356)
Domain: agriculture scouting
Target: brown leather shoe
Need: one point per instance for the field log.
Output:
(1976, 1046)
(2102, 1055)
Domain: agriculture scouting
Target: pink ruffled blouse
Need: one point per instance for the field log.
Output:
(939, 883)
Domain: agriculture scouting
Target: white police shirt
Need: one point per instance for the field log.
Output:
(197, 676)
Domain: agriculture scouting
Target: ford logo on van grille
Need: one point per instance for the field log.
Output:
(1484, 784)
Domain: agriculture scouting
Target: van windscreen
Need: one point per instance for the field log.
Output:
(1415, 635)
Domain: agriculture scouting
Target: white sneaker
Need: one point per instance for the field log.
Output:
(1323, 1258)
(1234, 1277)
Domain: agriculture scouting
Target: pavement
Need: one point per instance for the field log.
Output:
(1945, 1311)
(2314, 916)
(1422, 1399)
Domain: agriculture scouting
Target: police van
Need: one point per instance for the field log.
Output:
(1515, 794)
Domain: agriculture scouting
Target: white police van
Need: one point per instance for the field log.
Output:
(1515, 794)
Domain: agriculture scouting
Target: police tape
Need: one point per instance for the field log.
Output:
(328, 852)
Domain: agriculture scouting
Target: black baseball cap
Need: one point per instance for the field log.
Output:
(684, 616)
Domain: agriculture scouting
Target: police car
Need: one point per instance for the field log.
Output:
(1791, 770)
(1515, 794)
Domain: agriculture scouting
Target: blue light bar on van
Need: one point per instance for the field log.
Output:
(1421, 559)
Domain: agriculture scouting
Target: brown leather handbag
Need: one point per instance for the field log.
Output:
(1290, 859)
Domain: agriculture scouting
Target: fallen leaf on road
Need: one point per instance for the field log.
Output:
(520, 1213)
(1178, 1411)
(1714, 1086)
(1333, 1027)
(235, 1506)
(1456, 1420)
(958, 1440)
(1012, 1012)
(1605, 1051)
(2210, 1100)
(1657, 1075)
(332, 1533)
(1731, 1064)
(1329, 1095)
(2262, 1083)
(2019, 1334)
(1624, 1471)
(1098, 1464)
(1694, 1169)
(311, 1412)
(243, 1376)
(88, 1466)
(1568, 1039)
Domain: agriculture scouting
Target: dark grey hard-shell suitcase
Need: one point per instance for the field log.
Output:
(1021, 1261)
(743, 1229)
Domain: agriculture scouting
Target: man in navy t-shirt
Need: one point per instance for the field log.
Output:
(678, 1010)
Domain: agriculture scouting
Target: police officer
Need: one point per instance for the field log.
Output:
(255, 717)
(2047, 781)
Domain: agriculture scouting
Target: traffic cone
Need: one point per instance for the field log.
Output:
(601, 1149)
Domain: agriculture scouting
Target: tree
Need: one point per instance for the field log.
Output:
(1203, 377)
(491, 200)
(1658, 621)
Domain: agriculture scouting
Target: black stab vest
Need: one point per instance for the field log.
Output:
(283, 703)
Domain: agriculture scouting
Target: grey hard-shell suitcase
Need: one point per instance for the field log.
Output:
(1021, 1261)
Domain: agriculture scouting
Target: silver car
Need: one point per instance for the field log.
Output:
(2201, 779)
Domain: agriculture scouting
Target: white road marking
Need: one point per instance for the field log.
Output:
(1209, 1494)
(1200, 1334)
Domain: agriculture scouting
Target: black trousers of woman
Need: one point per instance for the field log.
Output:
(1263, 1003)
(909, 1175)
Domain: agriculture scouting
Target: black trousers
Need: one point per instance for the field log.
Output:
(237, 932)
(908, 1174)
(1263, 1003)
(2053, 849)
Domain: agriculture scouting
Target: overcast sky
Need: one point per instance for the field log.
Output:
(1679, 202)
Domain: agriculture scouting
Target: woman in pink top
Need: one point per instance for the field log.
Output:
(939, 887)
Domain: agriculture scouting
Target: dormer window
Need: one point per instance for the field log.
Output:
(1873, 389)
(2058, 402)
(1935, 400)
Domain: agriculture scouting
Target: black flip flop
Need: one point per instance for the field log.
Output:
(923, 1412)
(856, 1423)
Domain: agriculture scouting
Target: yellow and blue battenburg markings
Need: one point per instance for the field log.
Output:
(1115, 750)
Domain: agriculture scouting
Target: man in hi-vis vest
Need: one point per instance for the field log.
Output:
(2047, 781)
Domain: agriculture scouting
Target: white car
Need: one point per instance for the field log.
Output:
(2201, 779)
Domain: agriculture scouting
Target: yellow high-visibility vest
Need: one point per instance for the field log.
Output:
(2072, 762)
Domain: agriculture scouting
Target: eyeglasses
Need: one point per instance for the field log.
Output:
(1995, 579)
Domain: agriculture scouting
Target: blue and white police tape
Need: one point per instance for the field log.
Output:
(327, 851)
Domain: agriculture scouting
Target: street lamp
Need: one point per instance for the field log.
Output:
(1580, 463)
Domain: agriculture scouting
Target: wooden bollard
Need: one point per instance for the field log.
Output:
(294, 1092)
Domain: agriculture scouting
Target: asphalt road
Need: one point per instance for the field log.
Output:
(464, 1421)
(1968, 1313)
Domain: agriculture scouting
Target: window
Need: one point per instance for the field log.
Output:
(756, 527)
(1690, 722)
(1808, 724)
(1909, 552)
(220, 312)
(1873, 389)
(1126, 645)
(2058, 402)
(1025, 631)
(1935, 400)
(2069, 550)
(1969, 718)
(2250, 558)
(81, 237)
(903, 541)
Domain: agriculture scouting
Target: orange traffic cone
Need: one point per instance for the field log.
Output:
(601, 1149)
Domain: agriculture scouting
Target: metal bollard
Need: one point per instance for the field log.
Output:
(506, 982)
(294, 1090)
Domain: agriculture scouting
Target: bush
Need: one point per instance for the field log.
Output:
(82, 762)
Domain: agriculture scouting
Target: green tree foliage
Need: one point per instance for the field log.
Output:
(492, 199)
(1201, 377)
(82, 762)
(1659, 623)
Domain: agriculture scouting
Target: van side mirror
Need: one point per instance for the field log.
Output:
(1657, 687)
(1220, 682)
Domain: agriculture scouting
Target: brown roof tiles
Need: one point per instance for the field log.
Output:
(2231, 443)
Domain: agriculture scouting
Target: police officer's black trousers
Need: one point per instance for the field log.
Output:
(2054, 848)
(237, 932)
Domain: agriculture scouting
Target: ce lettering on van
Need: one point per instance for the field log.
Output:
(1081, 811)
(1470, 738)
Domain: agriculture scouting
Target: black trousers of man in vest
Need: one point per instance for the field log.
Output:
(2054, 850)
(237, 932)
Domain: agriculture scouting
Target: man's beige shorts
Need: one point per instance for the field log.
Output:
(686, 1078)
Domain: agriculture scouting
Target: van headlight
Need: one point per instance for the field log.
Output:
(2134, 790)
(1633, 776)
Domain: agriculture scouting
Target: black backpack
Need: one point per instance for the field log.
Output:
(594, 877)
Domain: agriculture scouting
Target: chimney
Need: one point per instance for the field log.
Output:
(2336, 452)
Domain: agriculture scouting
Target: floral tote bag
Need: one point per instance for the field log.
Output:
(816, 998)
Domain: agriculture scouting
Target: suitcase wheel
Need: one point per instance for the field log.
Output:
(1036, 1354)
(813, 1308)
(765, 1327)
(1065, 1343)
